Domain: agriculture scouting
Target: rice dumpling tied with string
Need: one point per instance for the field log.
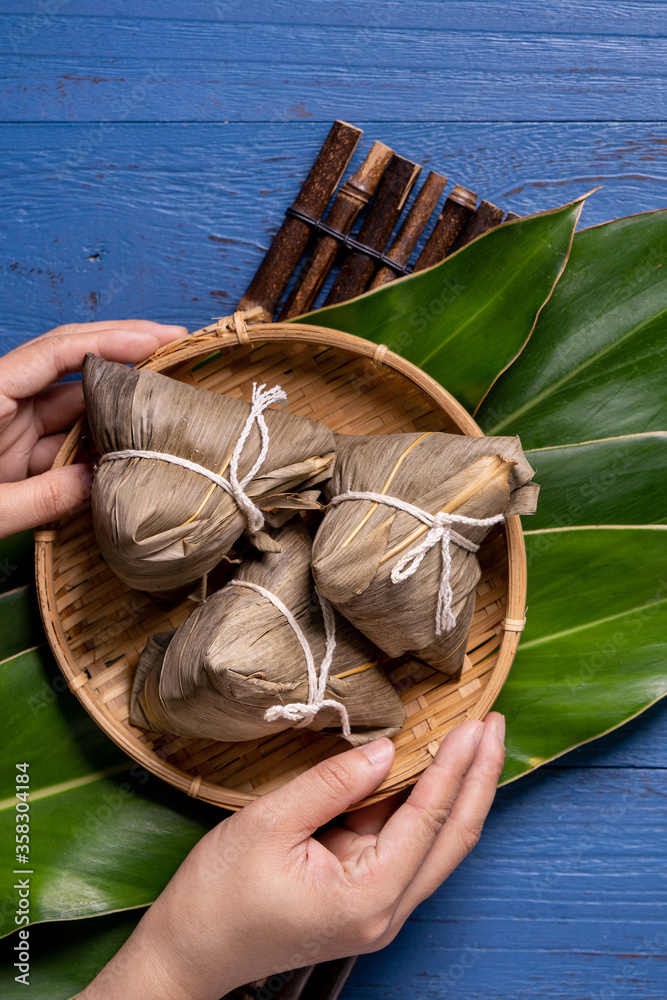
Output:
(183, 471)
(262, 655)
(396, 551)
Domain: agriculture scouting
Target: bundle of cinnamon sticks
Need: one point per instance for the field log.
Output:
(310, 244)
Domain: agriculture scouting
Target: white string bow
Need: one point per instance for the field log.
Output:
(301, 714)
(236, 488)
(440, 531)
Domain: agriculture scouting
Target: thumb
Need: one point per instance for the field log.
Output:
(39, 499)
(319, 795)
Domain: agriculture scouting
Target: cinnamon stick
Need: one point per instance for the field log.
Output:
(352, 197)
(487, 217)
(511, 216)
(328, 979)
(456, 212)
(412, 228)
(292, 238)
(378, 226)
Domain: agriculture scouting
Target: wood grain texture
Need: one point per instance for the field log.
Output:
(184, 68)
(600, 17)
(91, 87)
(562, 898)
(168, 140)
(171, 221)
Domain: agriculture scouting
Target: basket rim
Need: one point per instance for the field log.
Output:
(171, 356)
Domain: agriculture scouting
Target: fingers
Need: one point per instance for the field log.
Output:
(372, 818)
(35, 501)
(360, 827)
(464, 825)
(342, 843)
(58, 407)
(406, 839)
(43, 454)
(162, 330)
(314, 798)
(32, 367)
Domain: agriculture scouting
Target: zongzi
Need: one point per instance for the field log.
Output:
(164, 515)
(244, 664)
(395, 553)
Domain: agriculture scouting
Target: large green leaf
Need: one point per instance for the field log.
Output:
(613, 481)
(17, 562)
(21, 624)
(596, 364)
(466, 319)
(66, 956)
(105, 834)
(593, 653)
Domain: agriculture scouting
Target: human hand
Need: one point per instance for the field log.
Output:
(34, 412)
(260, 894)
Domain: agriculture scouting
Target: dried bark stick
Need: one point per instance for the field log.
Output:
(413, 227)
(487, 217)
(456, 212)
(392, 193)
(352, 197)
(511, 217)
(292, 238)
(328, 979)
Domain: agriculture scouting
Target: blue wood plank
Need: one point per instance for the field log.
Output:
(143, 69)
(171, 221)
(642, 742)
(601, 17)
(564, 897)
(60, 90)
(373, 44)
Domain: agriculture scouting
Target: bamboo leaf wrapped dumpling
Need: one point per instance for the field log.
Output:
(237, 670)
(406, 577)
(161, 526)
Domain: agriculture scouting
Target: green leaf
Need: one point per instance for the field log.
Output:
(44, 723)
(110, 843)
(592, 655)
(105, 835)
(21, 624)
(66, 956)
(613, 481)
(464, 320)
(17, 561)
(596, 364)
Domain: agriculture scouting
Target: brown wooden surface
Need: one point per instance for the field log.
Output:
(412, 228)
(292, 238)
(383, 214)
(352, 197)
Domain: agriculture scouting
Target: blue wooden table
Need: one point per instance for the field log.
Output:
(148, 151)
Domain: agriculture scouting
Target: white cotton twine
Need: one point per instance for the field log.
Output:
(301, 714)
(235, 487)
(440, 530)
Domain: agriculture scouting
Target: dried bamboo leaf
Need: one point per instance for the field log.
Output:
(161, 527)
(360, 542)
(237, 656)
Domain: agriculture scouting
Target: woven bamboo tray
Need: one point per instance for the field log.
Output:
(97, 627)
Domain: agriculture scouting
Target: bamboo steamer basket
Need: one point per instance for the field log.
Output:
(97, 626)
